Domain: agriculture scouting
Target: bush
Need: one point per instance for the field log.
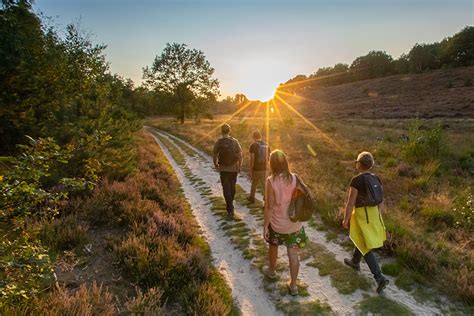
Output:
(422, 144)
(146, 304)
(85, 301)
(64, 233)
(25, 271)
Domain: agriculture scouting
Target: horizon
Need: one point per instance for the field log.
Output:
(276, 40)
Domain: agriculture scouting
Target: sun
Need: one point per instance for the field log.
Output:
(262, 94)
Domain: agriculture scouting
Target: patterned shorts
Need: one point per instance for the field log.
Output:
(291, 240)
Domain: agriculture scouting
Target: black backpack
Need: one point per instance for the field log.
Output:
(262, 153)
(227, 152)
(302, 203)
(374, 190)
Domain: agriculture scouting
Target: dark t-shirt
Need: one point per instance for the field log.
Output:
(358, 182)
(254, 148)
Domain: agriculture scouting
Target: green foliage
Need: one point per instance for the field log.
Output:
(29, 186)
(25, 270)
(186, 77)
(423, 144)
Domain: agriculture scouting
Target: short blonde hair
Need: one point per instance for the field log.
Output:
(366, 159)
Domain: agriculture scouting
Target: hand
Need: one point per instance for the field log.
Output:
(250, 174)
(346, 223)
(266, 234)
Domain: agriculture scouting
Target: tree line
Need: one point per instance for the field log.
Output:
(454, 51)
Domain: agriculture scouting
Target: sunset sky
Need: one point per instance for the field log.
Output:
(255, 45)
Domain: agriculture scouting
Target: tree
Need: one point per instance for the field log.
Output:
(424, 56)
(402, 64)
(185, 74)
(460, 48)
(374, 64)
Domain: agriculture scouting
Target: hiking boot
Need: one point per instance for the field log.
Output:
(251, 199)
(351, 264)
(269, 274)
(382, 285)
(292, 290)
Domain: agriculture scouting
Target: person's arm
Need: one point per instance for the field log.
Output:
(215, 156)
(241, 158)
(268, 207)
(251, 163)
(351, 200)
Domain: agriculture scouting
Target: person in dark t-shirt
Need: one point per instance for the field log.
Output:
(364, 221)
(259, 153)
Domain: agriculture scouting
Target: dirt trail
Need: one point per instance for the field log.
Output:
(247, 282)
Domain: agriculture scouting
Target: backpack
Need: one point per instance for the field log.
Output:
(227, 152)
(374, 190)
(302, 203)
(262, 153)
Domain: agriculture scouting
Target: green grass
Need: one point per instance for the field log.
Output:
(380, 305)
(305, 308)
(392, 269)
(343, 278)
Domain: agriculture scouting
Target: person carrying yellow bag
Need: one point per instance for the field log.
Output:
(363, 218)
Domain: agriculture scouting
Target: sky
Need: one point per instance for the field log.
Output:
(256, 45)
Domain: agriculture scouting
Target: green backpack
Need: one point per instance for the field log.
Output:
(302, 203)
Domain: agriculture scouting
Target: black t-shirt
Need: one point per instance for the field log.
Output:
(254, 149)
(358, 182)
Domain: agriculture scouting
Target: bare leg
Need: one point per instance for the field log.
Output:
(272, 257)
(294, 264)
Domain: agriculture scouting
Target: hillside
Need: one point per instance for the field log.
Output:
(441, 93)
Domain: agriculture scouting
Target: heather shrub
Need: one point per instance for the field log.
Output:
(64, 233)
(146, 304)
(205, 300)
(92, 300)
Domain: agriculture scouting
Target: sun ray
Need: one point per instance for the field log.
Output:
(291, 108)
(246, 105)
(295, 96)
(257, 109)
(277, 110)
(304, 81)
(267, 122)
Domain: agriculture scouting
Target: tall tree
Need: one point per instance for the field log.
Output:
(187, 75)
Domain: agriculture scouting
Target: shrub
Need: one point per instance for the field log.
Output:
(25, 270)
(85, 301)
(422, 144)
(146, 304)
(205, 300)
(64, 233)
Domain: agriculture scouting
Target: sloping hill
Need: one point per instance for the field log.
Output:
(441, 93)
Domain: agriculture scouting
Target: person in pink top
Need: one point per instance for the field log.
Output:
(278, 229)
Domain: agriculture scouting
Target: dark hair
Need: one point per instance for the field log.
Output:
(279, 165)
(225, 128)
(256, 134)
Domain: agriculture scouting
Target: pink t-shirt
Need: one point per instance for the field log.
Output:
(279, 198)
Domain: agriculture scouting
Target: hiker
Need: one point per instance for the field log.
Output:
(278, 229)
(363, 218)
(228, 161)
(259, 153)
